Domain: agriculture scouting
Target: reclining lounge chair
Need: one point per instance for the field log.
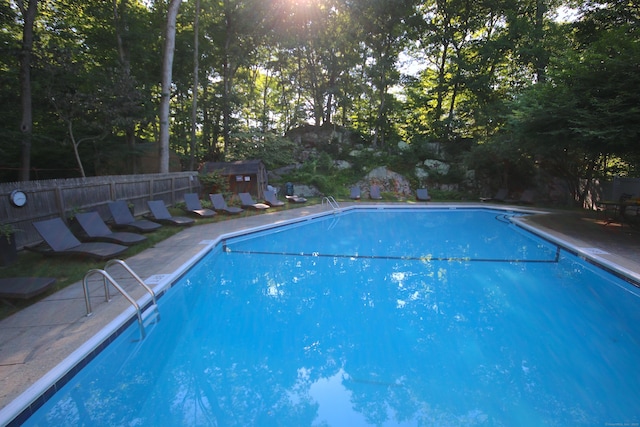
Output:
(271, 199)
(96, 229)
(422, 194)
(220, 205)
(195, 207)
(160, 213)
(291, 196)
(355, 193)
(374, 193)
(500, 196)
(296, 199)
(24, 287)
(61, 241)
(123, 218)
(526, 198)
(246, 201)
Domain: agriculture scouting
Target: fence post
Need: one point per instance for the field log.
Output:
(60, 203)
(173, 191)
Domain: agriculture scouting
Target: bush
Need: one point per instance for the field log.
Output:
(213, 182)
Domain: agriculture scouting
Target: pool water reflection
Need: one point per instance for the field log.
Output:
(386, 317)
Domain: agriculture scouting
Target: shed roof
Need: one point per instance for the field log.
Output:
(240, 167)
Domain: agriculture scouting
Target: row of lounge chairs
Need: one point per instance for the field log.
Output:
(422, 194)
(103, 243)
(526, 198)
(100, 242)
(219, 204)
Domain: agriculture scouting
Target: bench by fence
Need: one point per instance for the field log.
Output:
(64, 197)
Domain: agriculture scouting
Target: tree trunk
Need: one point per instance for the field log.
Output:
(26, 125)
(75, 148)
(227, 78)
(540, 54)
(194, 101)
(125, 64)
(165, 99)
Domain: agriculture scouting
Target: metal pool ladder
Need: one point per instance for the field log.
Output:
(329, 200)
(150, 312)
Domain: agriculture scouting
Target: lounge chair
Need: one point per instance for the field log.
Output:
(24, 287)
(291, 196)
(355, 193)
(160, 213)
(526, 198)
(374, 193)
(96, 229)
(220, 205)
(246, 201)
(195, 207)
(123, 218)
(422, 194)
(61, 241)
(500, 196)
(296, 199)
(271, 199)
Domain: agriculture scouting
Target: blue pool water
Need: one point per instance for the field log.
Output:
(375, 317)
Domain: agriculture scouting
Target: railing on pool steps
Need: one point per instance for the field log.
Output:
(329, 200)
(149, 312)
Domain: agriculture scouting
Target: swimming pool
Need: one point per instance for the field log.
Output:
(375, 317)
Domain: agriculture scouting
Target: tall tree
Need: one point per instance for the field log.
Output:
(386, 28)
(122, 26)
(587, 110)
(196, 86)
(28, 12)
(165, 97)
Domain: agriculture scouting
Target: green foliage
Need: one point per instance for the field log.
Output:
(448, 195)
(273, 150)
(7, 230)
(265, 69)
(213, 182)
(321, 173)
(587, 112)
(500, 164)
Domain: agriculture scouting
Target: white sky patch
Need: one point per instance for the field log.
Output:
(567, 14)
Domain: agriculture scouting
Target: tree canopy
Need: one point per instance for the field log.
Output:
(510, 79)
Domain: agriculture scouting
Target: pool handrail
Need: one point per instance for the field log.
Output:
(111, 280)
(331, 202)
(106, 277)
(134, 275)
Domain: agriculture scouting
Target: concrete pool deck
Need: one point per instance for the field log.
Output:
(36, 339)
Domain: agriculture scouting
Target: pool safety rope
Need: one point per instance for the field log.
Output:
(424, 258)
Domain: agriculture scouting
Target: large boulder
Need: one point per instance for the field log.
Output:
(436, 165)
(388, 181)
(339, 138)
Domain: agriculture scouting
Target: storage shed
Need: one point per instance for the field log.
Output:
(245, 176)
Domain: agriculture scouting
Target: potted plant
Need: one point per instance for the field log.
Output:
(8, 250)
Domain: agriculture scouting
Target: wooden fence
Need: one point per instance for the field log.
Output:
(63, 197)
